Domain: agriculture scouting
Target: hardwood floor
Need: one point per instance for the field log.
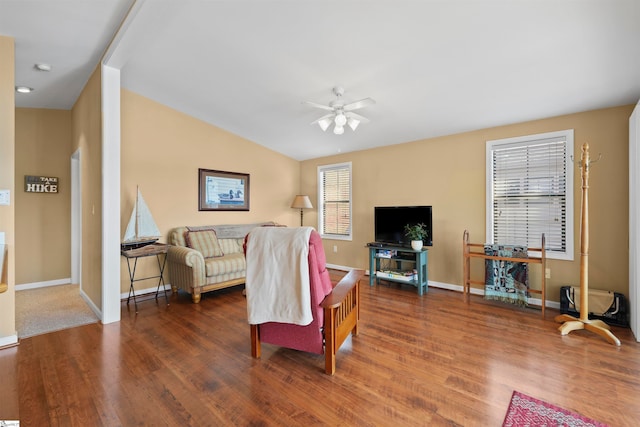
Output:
(432, 360)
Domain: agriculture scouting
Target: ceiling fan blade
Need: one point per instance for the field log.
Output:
(328, 116)
(358, 104)
(352, 115)
(315, 104)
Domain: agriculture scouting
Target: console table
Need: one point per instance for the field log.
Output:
(404, 261)
(156, 249)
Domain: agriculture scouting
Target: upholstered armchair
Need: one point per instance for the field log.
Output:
(299, 309)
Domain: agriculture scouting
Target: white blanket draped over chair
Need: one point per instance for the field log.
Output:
(278, 276)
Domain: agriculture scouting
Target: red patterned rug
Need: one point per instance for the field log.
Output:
(527, 411)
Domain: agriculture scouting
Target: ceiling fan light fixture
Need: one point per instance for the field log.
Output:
(340, 113)
(324, 124)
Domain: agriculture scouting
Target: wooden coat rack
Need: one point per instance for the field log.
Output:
(3, 271)
(570, 322)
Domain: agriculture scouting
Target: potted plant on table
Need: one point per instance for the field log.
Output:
(417, 233)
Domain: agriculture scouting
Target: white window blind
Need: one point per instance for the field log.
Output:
(530, 192)
(335, 200)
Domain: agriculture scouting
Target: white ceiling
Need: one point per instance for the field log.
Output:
(434, 67)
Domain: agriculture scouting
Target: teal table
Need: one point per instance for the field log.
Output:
(400, 261)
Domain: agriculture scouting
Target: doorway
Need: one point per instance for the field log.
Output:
(50, 308)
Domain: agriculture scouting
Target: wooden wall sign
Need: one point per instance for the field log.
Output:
(40, 184)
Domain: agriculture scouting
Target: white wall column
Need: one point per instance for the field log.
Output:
(112, 62)
(110, 194)
(76, 220)
(634, 221)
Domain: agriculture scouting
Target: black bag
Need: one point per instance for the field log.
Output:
(615, 315)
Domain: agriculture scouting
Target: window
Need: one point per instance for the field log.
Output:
(530, 192)
(334, 201)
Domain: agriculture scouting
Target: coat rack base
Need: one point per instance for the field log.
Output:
(570, 323)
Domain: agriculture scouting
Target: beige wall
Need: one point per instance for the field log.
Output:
(7, 182)
(449, 173)
(43, 220)
(86, 120)
(161, 152)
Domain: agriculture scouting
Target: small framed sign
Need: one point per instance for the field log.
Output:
(40, 184)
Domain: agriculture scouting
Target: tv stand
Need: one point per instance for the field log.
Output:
(403, 260)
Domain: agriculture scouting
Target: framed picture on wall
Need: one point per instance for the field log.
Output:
(222, 191)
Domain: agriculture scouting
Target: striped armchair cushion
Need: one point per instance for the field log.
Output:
(205, 242)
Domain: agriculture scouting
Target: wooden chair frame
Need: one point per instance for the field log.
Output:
(341, 314)
(468, 253)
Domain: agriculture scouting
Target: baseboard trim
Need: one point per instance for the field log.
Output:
(474, 291)
(140, 292)
(91, 305)
(36, 285)
(9, 341)
(478, 291)
(340, 267)
(450, 287)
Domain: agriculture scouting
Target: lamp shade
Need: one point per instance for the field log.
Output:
(325, 123)
(301, 202)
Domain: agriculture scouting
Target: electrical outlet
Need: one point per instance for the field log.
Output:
(547, 273)
(5, 197)
(335, 249)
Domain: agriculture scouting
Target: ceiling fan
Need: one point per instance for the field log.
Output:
(341, 113)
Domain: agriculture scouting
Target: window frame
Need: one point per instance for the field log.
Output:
(321, 219)
(530, 140)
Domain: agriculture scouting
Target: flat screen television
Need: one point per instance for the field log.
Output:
(389, 223)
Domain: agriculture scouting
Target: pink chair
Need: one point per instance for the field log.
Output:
(335, 313)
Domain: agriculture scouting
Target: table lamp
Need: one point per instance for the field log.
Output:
(301, 202)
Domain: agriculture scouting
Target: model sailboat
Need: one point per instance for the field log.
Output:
(142, 229)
